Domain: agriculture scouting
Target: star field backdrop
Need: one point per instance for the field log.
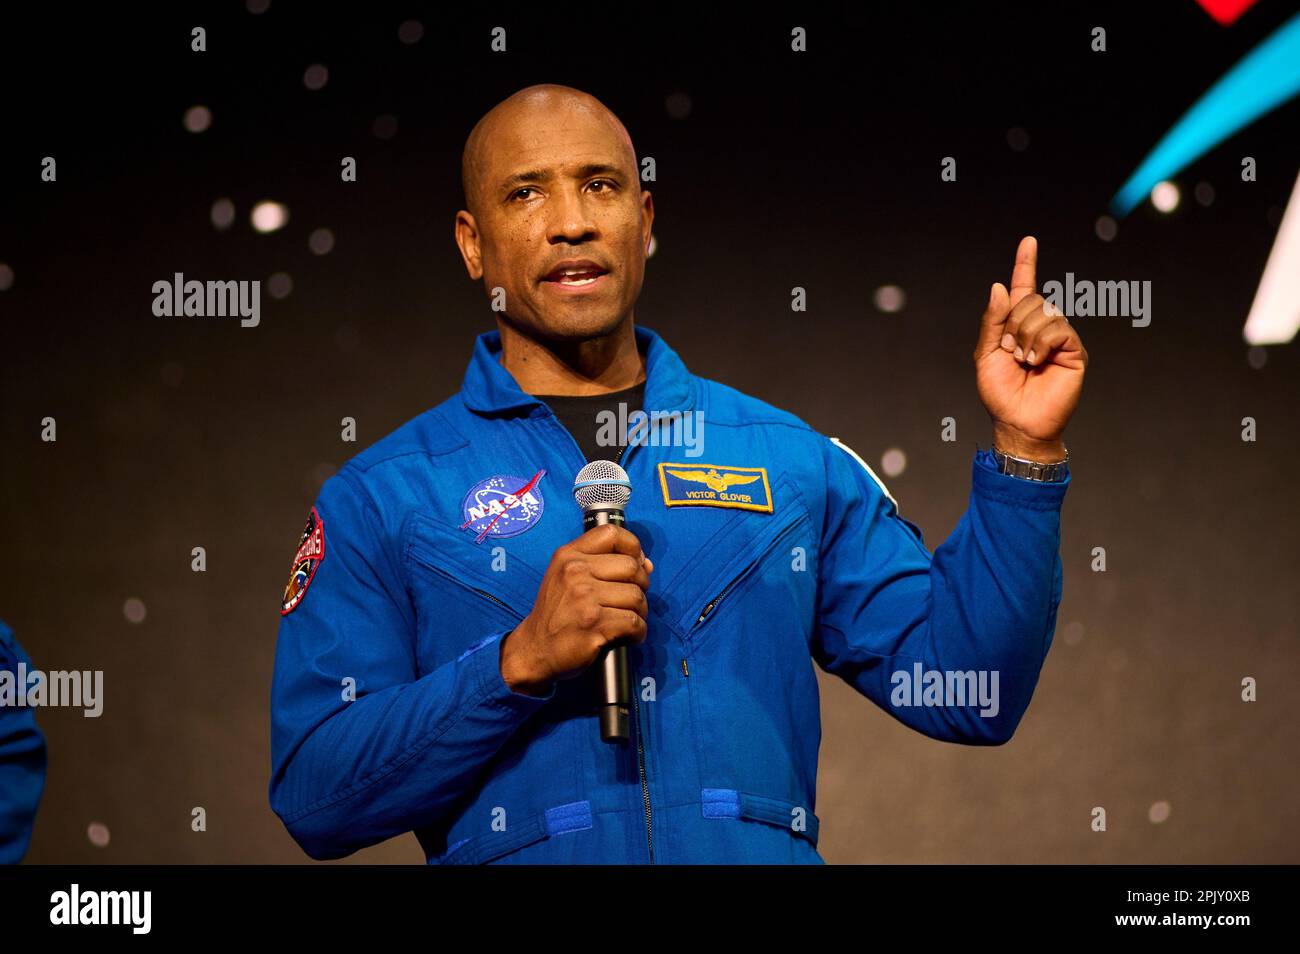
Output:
(774, 169)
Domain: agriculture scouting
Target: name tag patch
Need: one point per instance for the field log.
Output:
(714, 485)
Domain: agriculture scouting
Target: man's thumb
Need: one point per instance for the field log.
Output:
(995, 317)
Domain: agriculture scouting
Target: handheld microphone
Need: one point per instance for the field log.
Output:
(602, 491)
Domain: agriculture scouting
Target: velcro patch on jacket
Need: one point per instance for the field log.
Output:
(714, 485)
(311, 551)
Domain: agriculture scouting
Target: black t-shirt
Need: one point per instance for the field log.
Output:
(581, 416)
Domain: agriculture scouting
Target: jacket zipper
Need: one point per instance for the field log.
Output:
(459, 582)
(640, 748)
(713, 603)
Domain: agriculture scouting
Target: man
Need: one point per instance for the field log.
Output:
(22, 753)
(434, 662)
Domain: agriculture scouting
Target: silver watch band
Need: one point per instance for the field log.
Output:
(1032, 469)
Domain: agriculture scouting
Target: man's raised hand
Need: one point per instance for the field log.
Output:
(1029, 364)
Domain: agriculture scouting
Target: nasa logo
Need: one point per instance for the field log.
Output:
(311, 551)
(503, 506)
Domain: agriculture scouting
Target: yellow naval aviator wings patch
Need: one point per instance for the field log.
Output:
(715, 485)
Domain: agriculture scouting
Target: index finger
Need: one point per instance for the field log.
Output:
(609, 538)
(1024, 277)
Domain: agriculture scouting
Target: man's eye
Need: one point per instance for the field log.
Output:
(520, 191)
(605, 182)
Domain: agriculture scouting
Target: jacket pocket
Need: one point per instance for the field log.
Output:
(458, 599)
(730, 803)
(426, 559)
(751, 558)
(490, 846)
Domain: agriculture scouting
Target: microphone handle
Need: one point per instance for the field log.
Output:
(615, 677)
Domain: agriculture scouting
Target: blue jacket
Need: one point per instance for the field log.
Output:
(22, 756)
(775, 548)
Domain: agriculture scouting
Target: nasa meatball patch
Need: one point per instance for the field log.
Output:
(311, 551)
(503, 505)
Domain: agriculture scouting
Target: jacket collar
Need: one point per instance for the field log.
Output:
(490, 389)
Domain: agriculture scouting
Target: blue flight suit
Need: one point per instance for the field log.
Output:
(22, 758)
(775, 548)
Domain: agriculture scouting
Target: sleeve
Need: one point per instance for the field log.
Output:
(950, 644)
(353, 768)
(22, 758)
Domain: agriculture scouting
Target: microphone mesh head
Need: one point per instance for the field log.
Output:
(602, 483)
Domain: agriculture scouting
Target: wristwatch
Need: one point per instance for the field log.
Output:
(1032, 469)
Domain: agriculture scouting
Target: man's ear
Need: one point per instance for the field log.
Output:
(466, 236)
(647, 218)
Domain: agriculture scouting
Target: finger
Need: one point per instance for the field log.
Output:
(627, 596)
(609, 538)
(1029, 305)
(621, 624)
(1024, 276)
(1029, 328)
(993, 323)
(1056, 337)
(618, 568)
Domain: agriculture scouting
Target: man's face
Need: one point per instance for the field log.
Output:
(559, 186)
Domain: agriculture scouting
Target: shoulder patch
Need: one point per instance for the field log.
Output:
(311, 552)
(714, 485)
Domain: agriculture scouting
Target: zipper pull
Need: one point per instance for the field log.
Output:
(708, 609)
(685, 672)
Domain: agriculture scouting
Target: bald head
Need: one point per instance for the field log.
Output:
(556, 222)
(500, 129)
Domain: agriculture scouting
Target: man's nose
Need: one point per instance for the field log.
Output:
(571, 219)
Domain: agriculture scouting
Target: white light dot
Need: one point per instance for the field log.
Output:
(1106, 228)
(6, 277)
(133, 610)
(410, 32)
(315, 77)
(223, 214)
(1017, 139)
(1159, 812)
(384, 127)
(678, 105)
(269, 216)
(279, 285)
(1204, 193)
(1165, 196)
(654, 246)
(1256, 357)
(97, 832)
(198, 118)
(1073, 633)
(889, 298)
(893, 462)
(321, 241)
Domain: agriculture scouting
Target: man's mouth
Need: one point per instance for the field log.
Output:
(575, 273)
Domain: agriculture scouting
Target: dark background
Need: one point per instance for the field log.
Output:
(818, 169)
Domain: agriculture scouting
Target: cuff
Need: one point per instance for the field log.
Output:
(1034, 494)
(484, 658)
